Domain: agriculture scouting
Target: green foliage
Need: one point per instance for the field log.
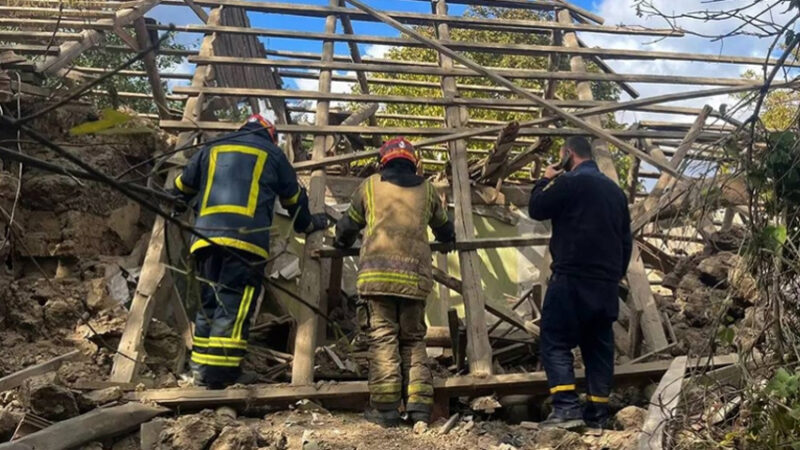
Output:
(780, 107)
(565, 89)
(776, 412)
(104, 58)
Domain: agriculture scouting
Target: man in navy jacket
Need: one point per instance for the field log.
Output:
(591, 247)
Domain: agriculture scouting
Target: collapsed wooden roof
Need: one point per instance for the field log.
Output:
(232, 65)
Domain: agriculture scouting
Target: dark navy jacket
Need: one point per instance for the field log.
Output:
(591, 223)
(236, 181)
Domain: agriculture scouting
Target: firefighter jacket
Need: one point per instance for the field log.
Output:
(591, 223)
(395, 212)
(235, 182)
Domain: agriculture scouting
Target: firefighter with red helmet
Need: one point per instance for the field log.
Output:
(233, 184)
(395, 208)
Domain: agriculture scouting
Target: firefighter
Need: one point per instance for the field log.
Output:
(235, 182)
(395, 207)
(591, 247)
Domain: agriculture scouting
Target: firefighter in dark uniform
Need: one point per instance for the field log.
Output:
(591, 247)
(396, 207)
(235, 182)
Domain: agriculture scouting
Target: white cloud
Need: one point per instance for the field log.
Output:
(377, 50)
(618, 12)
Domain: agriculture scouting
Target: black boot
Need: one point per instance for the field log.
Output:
(384, 418)
(557, 420)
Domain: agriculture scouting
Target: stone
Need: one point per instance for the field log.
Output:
(558, 438)
(631, 417)
(104, 396)
(236, 438)
(58, 313)
(194, 432)
(9, 419)
(743, 283)
(42, 396)
(714, 269)
(420, 427)
(308, 442)
(268, 436)
(487, 404)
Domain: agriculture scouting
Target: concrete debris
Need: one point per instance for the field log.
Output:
(558, 438)
(193, 432)
(420, 428)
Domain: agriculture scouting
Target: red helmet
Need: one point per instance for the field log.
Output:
(395, 148)
(258, 118)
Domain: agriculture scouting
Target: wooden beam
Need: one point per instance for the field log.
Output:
(197, 10)
(466, 245)
(305, 343)
(530, 383)
(413, 18)
(479, 351)
(130, 352)
(409, 67)
(414, 131)
(96, 425)
(68, 51)
(646, 211)
(652, 329)
(663, 404)
(15, 379)
(151, 67)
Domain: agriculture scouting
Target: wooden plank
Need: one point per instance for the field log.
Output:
(305, 343)
(197, 10)
(532, 383)
(637, 277)
(130, 352)
(479, 351)
(663, 404)
(95, 425)
(15, 379)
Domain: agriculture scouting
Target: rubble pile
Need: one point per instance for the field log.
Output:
(711, 290)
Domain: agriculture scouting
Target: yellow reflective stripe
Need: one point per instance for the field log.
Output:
(219, 342)
(385, 279)
(418, 399)
(216, 360)
(252, 197)
(244, 306)
(596, 399)
(230, 242)
(370, 205)
(562, 388)
(355, 215)
(385, 388)
(291, 200)
(375, 272)
(420, 389)
(183, 187)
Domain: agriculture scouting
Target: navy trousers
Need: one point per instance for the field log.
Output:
(579, 312)
(229, 292)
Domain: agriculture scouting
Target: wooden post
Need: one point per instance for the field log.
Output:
(663, 404)
(479, 351)
(305, 343)
(652, 329)
(151, 67)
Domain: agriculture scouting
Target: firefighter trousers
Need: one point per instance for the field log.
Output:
(579, 312)
(229, 292)
(397, 362)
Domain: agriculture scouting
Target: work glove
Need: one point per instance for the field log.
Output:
(318, 222)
